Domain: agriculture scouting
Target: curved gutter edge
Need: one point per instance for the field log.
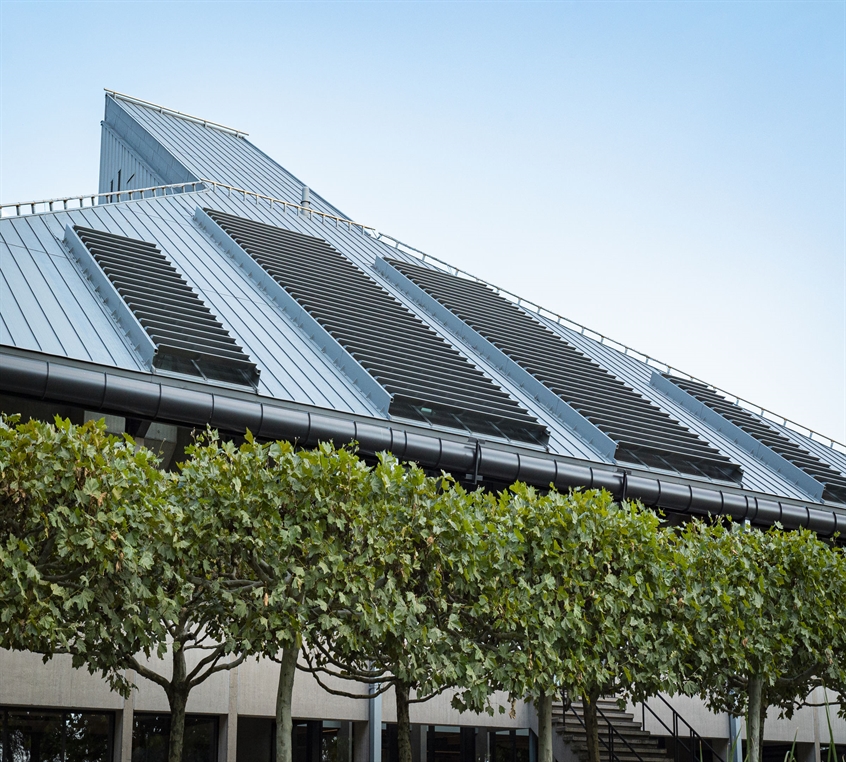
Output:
(152, 400)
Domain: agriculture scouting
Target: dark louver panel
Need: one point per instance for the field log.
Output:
(188, 338)
(427, 378)
(834, 482)
(644, 433)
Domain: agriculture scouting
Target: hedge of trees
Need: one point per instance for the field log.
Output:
(390, 577)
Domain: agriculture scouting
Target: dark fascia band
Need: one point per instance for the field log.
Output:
(148, 397)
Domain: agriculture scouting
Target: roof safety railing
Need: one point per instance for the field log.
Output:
(174, 112)
(21, 208)
(605, 341)
(110, 197)
(306, 211)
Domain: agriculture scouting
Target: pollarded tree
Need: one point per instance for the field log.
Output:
(278, 522)
(422, 543)
(76, 509)
(761, 619)
(104, 559)
(584, 606)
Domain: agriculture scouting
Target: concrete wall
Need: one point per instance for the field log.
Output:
(250, 690)
(808, 724)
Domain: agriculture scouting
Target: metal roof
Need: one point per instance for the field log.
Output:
(206, 151)
(49, 307)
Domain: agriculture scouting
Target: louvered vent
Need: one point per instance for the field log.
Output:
(427, 378)
(644, 433)
(187, 337)
(833, 481)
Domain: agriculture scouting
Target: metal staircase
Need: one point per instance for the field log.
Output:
(622, 738)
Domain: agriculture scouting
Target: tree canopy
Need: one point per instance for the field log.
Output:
(761, 619)
(399, 580)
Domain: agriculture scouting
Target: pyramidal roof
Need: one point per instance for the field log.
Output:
(205, 284)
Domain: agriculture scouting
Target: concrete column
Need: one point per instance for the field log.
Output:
(231, 750)
(123, 725)
(361, 742)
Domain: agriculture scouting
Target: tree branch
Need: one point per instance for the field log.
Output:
(149, 674)
(218, 668)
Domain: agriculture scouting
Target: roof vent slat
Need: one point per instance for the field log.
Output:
(381, 334)
(177, 331)
(644, 434)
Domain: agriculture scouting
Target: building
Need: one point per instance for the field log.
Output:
(204, 284)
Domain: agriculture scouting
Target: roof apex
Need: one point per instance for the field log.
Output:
(173, 112)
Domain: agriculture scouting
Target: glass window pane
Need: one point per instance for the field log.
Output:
(87, 737)
(522, 750)
(444, 744)
(255, 739)
(300, 745)
(336, 741)
(200, 744)
(151, 735)
(34, 736)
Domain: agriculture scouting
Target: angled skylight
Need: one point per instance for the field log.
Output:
(428, 379)
(833, 481)
(644, 434)
(179, 332)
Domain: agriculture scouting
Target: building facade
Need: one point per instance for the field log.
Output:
(205, 285)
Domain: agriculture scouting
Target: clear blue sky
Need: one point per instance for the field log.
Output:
(672, 174)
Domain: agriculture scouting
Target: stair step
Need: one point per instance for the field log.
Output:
(576, 727)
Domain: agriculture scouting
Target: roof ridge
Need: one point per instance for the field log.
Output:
(173, 112)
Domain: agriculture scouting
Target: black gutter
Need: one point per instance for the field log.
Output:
(148, 398)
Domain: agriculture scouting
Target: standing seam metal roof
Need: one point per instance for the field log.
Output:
(49, 307)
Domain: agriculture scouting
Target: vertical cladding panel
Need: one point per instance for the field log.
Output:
(115, 155)
(145, 146)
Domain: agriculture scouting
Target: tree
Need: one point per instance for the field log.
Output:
(76, 507)
(418, 539)
(105, 558)
(762, 620)
(278, 523)
(584, 605)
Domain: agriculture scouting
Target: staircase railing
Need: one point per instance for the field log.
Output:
(688, 739)
(612, 733)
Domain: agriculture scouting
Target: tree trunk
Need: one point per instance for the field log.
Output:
(591, 725)
(284, 698)
(754, 719)
(763, 720)
(178, 699)
(403, 722)
(544, 710)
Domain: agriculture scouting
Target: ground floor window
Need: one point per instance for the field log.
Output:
(452, 743)
(151, 736)
(42, 735)
(313, 740)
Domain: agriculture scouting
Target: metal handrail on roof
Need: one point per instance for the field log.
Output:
(174, 112)
(155, 191)
(46, 206)
(605, 341)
